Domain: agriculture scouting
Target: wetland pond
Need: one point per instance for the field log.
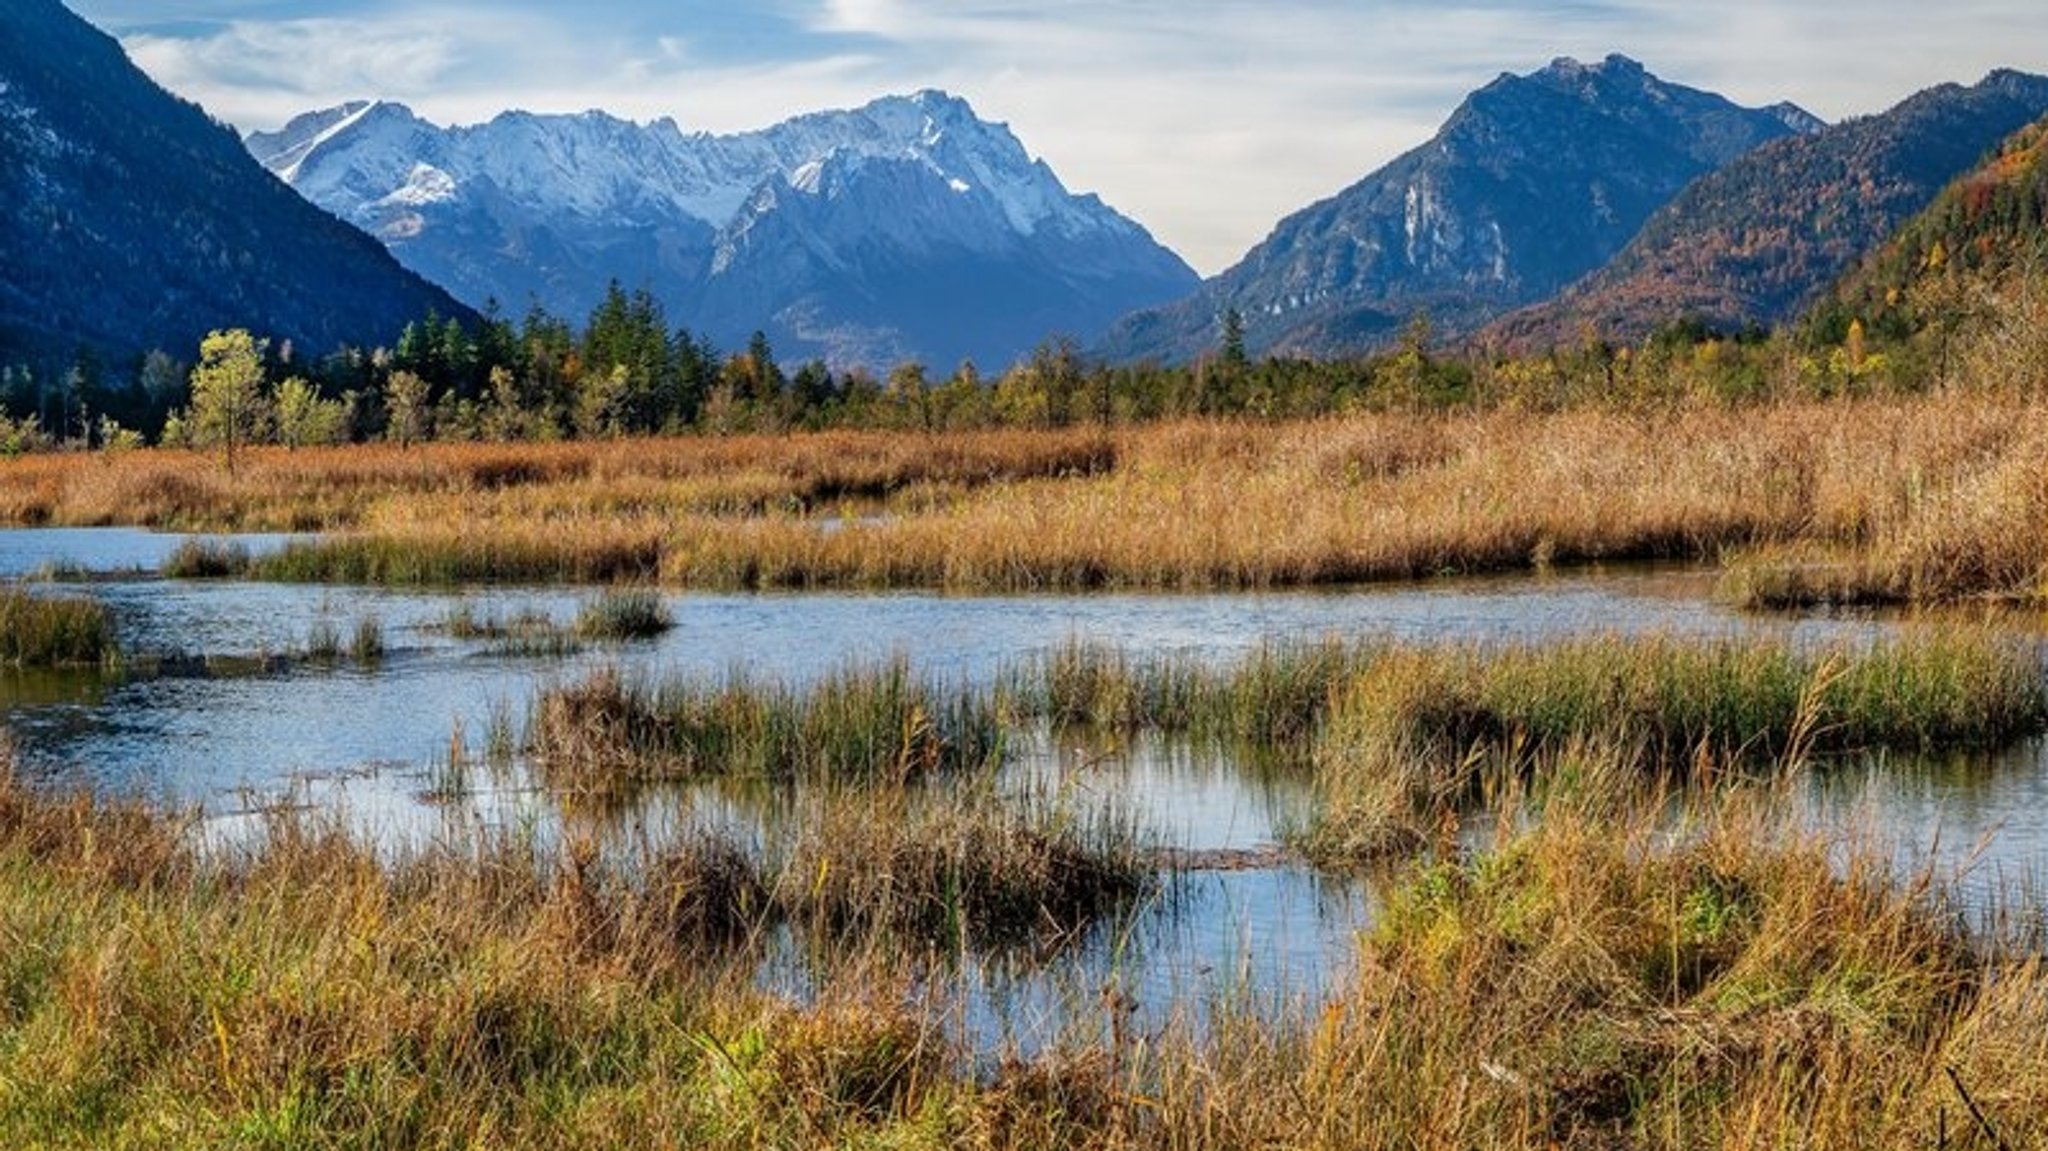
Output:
(223, 724)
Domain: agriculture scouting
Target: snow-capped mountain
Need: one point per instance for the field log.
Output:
(906, 228)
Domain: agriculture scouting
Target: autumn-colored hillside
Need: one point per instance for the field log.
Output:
(1757, 241)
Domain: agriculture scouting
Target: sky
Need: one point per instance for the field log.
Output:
(1205, 120)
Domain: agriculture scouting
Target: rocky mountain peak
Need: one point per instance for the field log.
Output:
(555, 207)
(1533, 181)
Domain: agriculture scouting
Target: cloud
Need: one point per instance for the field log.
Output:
(1207, 120)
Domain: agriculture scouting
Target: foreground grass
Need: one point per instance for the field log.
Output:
(1597, 977)
(1925, 498)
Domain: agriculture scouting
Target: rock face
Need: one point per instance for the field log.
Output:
(909, 228)
(1534, 181)
(129, 220)
(1756, 242)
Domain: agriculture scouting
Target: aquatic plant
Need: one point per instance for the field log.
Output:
(874, 723)
(1928, 497)
(202, 557)
(53, 630)
(1618, 968)
(366, 646)
(622, 614)
(961, 870)
(1419, 729)
(529, 632)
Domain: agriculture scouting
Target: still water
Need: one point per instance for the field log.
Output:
(374, 741)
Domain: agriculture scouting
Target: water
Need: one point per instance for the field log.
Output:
(374, 741)
(198, 740)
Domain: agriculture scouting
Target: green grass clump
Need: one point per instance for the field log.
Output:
(53, 631)
(530, 632)
(1275, 699)
(962, 871)
(1418, 730)
(1750, 696)
(623, 614)
(858, 724)
(366, 646)
(201, 557)
(1596, 979)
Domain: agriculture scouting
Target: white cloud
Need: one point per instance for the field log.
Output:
(1207, 120)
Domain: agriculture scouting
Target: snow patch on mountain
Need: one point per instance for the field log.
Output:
(322, 127)
(426, 185)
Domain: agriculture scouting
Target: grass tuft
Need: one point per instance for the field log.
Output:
(962, 872)
(1420, 730)
(53, 631)
(876, 724)
(624, 614)
(204, 558)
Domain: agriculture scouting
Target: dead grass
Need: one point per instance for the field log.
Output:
(1926, 497)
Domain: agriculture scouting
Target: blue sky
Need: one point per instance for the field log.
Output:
(1206, 120)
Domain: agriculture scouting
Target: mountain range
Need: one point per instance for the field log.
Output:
(1758, 241)
(1576, 198)
(1533, 182)
(130, 220)
(908, 228)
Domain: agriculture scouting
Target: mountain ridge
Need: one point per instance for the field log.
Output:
(1532, 181)
(1756, 242)
(130, 220)
(554, 207)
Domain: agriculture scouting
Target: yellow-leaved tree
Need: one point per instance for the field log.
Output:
(229, 408)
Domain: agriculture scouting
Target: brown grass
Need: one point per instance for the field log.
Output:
(1921, 497)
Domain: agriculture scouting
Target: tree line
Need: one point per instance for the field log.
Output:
(627, 373)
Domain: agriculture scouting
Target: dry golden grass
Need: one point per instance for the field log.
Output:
(1925, 497)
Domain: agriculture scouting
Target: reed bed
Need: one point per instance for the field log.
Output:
(1932, 688)
(1598, 977)
(303, 988)
(1931, 497)
(465, 556)
(342, 488)
(1274, 700)
(1421, 731)
(48, 631)
(606, 733)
